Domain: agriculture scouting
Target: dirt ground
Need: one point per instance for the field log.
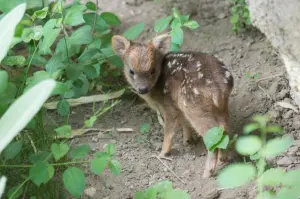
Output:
(249, 53)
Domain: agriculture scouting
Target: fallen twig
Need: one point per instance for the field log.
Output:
(90, 131)
(287, 105)
(169, 169)
(87, 99)
(270, 77)
(265, 92)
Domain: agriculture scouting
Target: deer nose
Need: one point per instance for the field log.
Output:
(143, 90)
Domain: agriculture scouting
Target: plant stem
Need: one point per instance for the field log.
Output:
(21, 185)
(55, 164)
(27, 70)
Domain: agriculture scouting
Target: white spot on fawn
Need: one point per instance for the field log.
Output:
(196, 91)
(174, 62)
(185, 70)
(224, 67)
(200, 75)
(184, 103)
(227, 74)
(198, 64)
(225, 81)
(215, 99)
(169, 64)
(208, 81)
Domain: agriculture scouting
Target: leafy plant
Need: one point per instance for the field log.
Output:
(176, 22)
(240, 16)
(162, 190)
(273, 182)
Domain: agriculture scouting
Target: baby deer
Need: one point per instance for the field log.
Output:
(188, 88)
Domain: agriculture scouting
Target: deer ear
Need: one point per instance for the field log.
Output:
(162, 43)
(120, 44)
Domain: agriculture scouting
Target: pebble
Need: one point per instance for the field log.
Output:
(284, 161)
(288, 114)
(213, 194)
(95, 139)
(90, 192)
(292, 151)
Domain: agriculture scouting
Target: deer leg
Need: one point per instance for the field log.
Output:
(187, 133)
(170, 127)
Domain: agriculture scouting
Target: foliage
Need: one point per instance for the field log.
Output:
(272, 182)
(240, 16)
(162, 190)
(176, 22)
(215, 138)
(68, 47)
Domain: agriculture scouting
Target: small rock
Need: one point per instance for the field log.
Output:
(288, 114)
(213, 194)
(95, 139)
(284, 161)
(292, 151)
(90, 192)
(273, 114)
(222, 15)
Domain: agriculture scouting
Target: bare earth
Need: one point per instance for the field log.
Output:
(249, 53)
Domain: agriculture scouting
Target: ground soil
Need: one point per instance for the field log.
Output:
(247, 53)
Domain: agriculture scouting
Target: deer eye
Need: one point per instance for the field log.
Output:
(131, 72)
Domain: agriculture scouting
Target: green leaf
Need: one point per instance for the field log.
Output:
(90, 71)
(286, 193)
(224, 142)
(110, 18)
(277, 146)
(250, 128)
(40, 14)
(73, 71)
(176, 23)
(55, 63)
(47, 41)
(271, 177)
(261, 119)
(17, 194)
(291, 178)
(100, 24)
(236, 175)
(175, 47)
(91, 6)
(177, 194)
(161, 24)
(255, 156)
(274, 129)
(150, 193)
(82, 36)
(41, 173)
(98, 164)
(176, 13)
(212, 137)
(234, 18)
(39, 157)
(191, 24)
(74, 15)
(248, 145)
(163, 186)
(64, 131)
(34, 33)
(110, 149)
(6, 6)
(3, 80)
(133, 32)
(177, 36)
(266, 195)
(116, 61)
(14, 60)
(145, 128)
(114, 167)
(60, 89)
(9, 94)
(90, 122)
(59, 150)
(74, 181)
(63, 107)
(12, 150)
(80, 152)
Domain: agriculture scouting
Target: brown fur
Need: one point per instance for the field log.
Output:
(189, 89)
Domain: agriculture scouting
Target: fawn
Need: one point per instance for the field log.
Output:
(188, 88)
